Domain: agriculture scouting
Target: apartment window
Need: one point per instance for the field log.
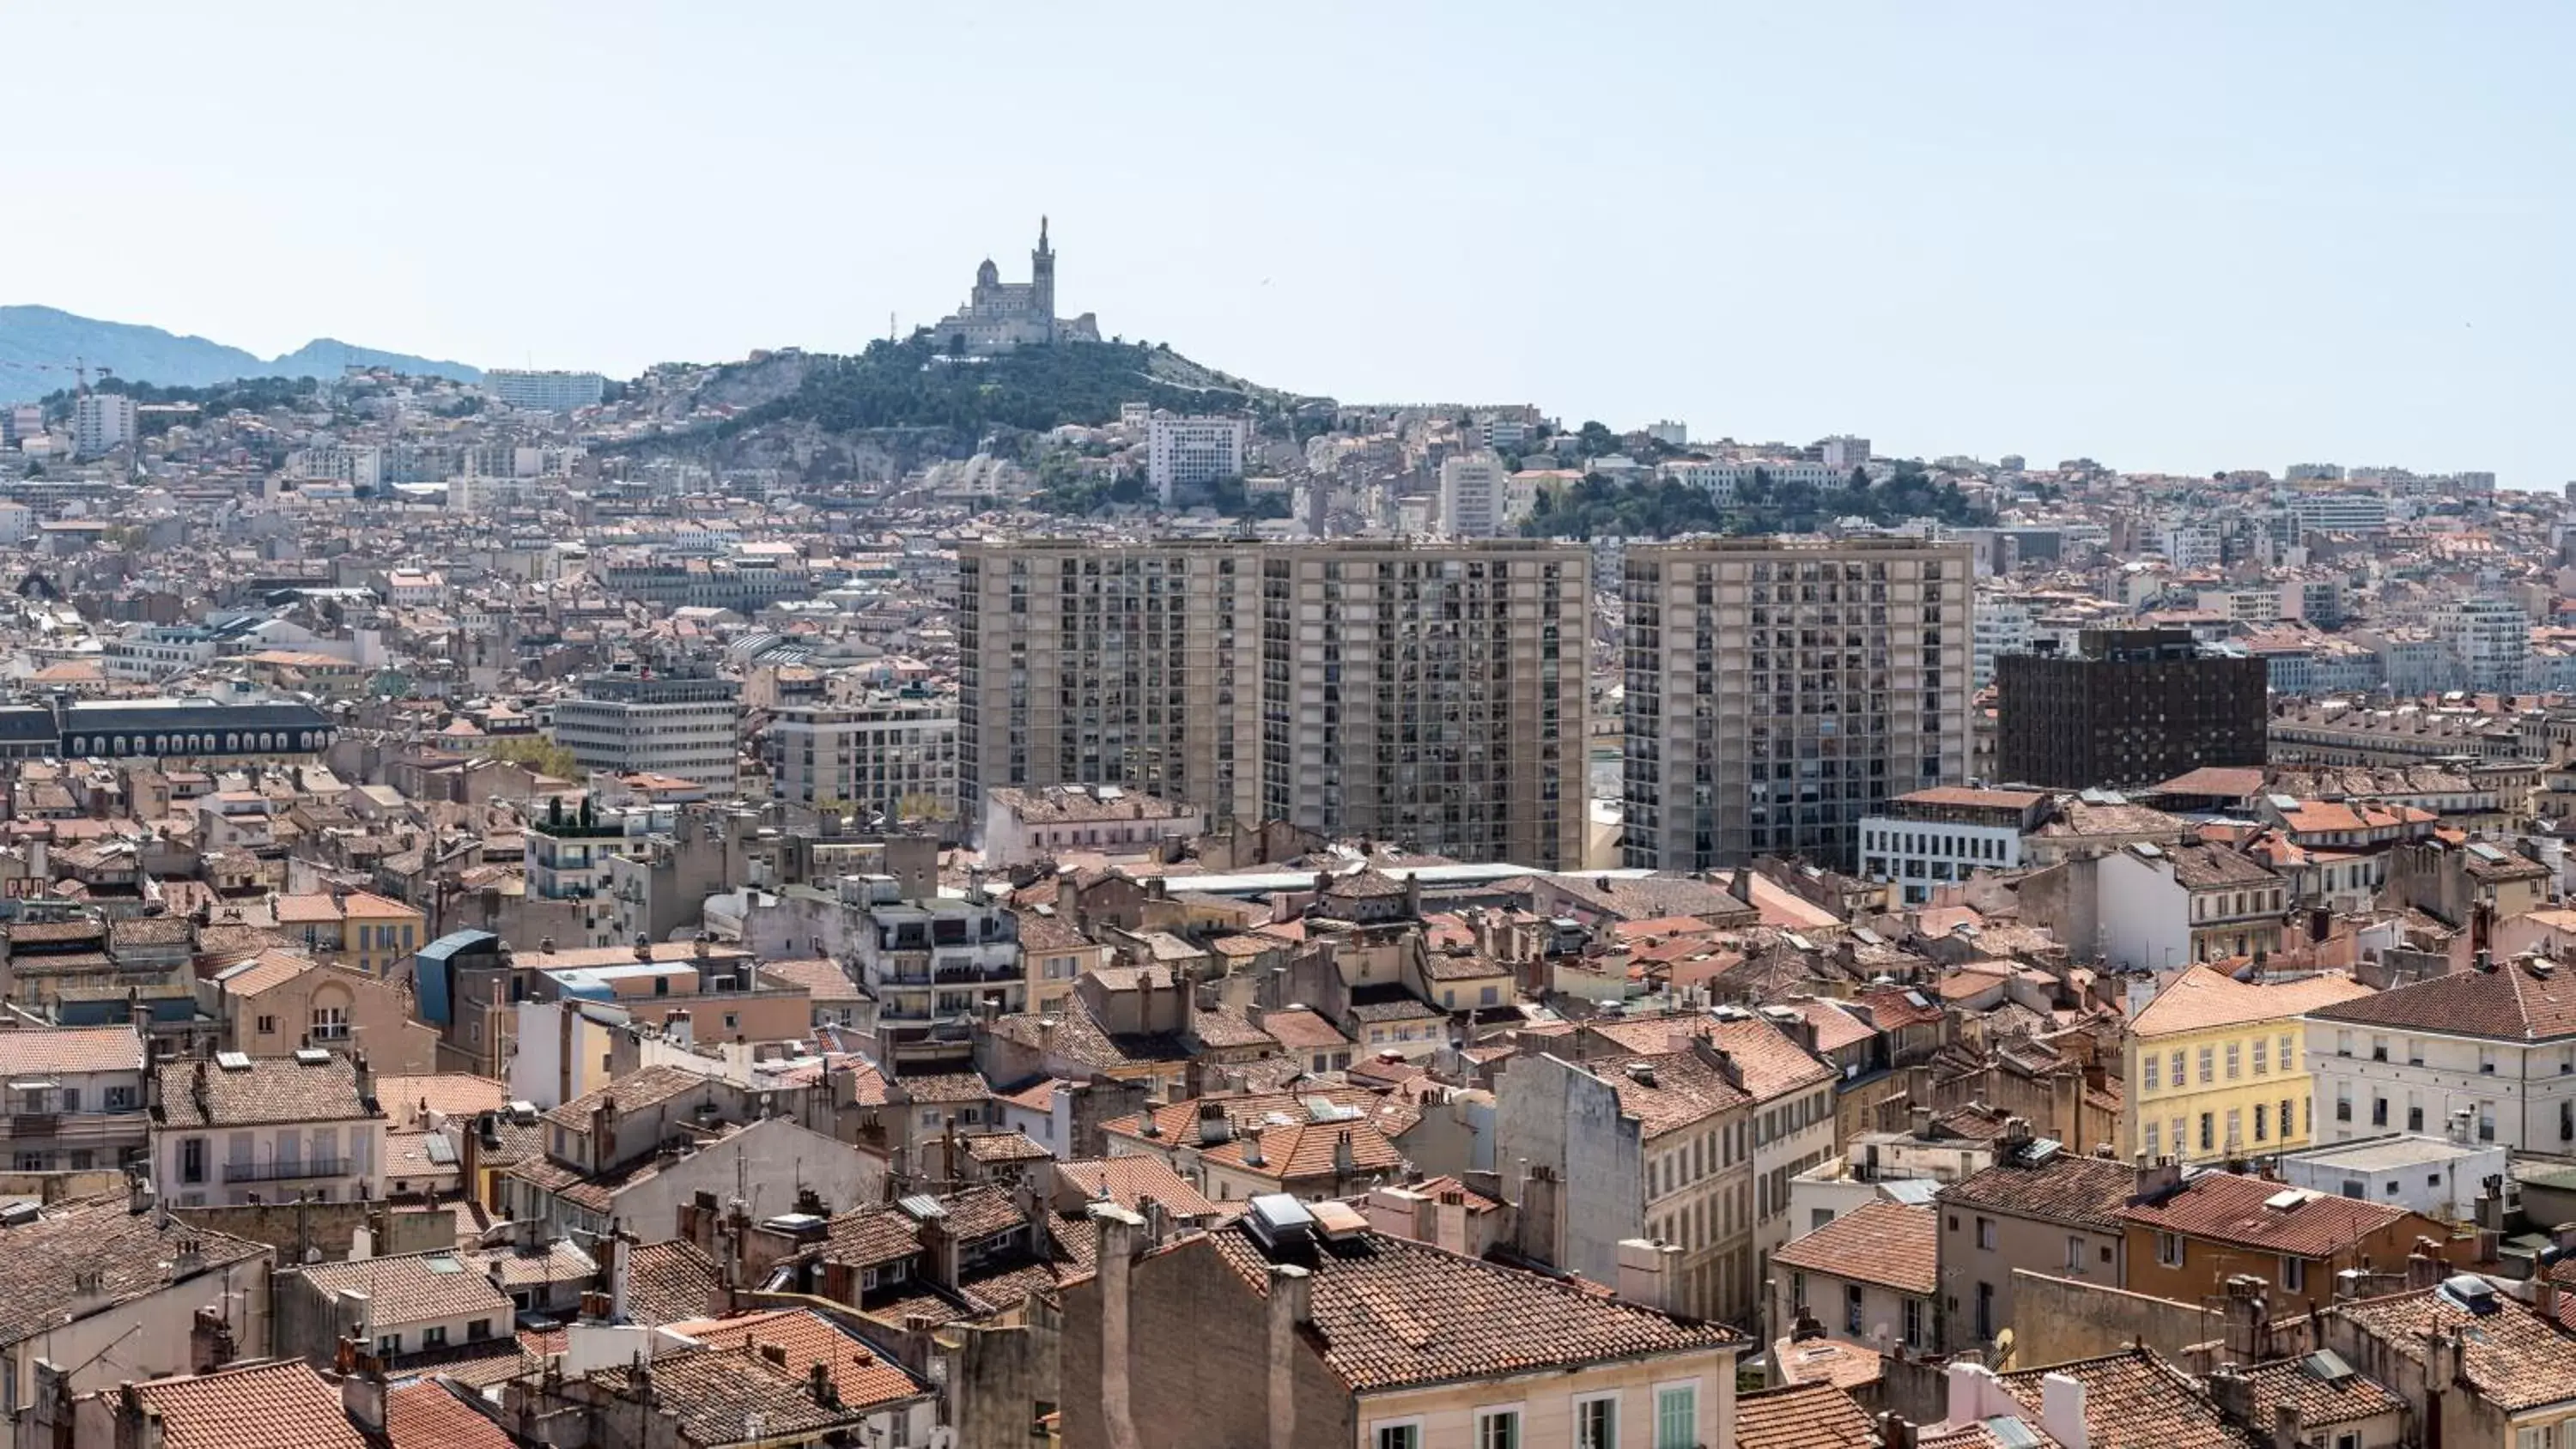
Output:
(2169, 1250)
(267, 1026)
(2379, 1048)
(2235, 1053)
(434, 1336)
(1498, 1428)
(1986, 1234)
(1596, 1423)
(1404, 1435)
(2536, 1437)
(2155, 1142)
(2235, 1128)
(2074, 1255)
(1852, 1308)
(1676, 1416)
(192, 1159)
(330, 1023)
(2179, 1076)
(2263, 1056)
(2151, 1065)
(2208, 1131)
(2348, 1439)
(2486, 1061)
(2486, 1121)
(2262, 1122)
(478, 1330)
(2208, 1065)
(2343, 1043)
(2415, 1055)
(2343, 1101)
(2294, 1273)
(388, 1345)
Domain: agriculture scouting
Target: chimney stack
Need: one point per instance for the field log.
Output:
(1292, 1310)
(2061, 1411)
(1645, 1272)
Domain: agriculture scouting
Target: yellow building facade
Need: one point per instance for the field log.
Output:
(2215, 1067)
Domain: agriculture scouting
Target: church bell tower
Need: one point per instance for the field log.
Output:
(1042, 281)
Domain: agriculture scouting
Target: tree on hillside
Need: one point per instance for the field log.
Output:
(539, 754)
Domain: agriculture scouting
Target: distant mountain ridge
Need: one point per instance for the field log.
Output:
(39, 345)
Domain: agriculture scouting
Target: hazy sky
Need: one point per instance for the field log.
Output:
(2170, 235)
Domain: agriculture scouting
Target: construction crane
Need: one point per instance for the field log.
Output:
(78, 367)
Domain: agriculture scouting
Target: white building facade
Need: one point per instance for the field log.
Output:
(1193, 452)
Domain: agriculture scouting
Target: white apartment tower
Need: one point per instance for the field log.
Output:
(1475, 494)
(545, 392)
(1189, 452)
(2488, 638)
(1424, 693)
(1778, 690)
(683, 727)
(894, 752)
(101, 423)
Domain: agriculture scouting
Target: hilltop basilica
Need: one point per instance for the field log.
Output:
(999, 315)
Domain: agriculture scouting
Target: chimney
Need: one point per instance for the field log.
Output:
(1114, 1253)
(2061, 1410)
(2158, 1178)
(1449, 1221)
(2248, 1319)
(2233, 1392)
(617, 1254)
(2287, 1431)
(364, 1078)
(1292, 1309)
(1895, 1431)
(2424, 1269)
(818, 1385)
(1645, 1269)
(362, 1394)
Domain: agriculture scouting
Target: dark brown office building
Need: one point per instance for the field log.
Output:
(2131, 707)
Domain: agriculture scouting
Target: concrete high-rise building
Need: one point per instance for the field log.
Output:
(2129, 707)
(677, 725)
(545, 392)
(1427, 693)
(894, 753)
(2488, 638)
(1778, 690)
(101, 423)
(1190, 452)
(1844, 452)
(1475, 494)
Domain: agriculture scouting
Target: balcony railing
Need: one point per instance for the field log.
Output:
(289, 1170)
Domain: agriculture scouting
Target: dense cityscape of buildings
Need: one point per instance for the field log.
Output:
(565, 911)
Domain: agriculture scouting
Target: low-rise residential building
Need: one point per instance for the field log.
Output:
(1348, 1336)
(1870, 1277)
(236, 1125)
(2487, 1054)
(2165, 907)
(2040, 1208)
(73, 1099)
(1024, 825)
(1933, 837)
(2214, 1065)
(2189, 1234)
(108, 1288)
(2440, 1178)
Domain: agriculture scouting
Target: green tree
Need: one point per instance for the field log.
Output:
(539, 754)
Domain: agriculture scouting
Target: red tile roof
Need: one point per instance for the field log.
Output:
(1895, 1245)
(260, 1407)
(1804, 1416)
(2228, 1207)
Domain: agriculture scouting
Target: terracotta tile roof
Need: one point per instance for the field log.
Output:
(713, 1390)
(431, 1287)
(991, 1147)
(1306, 1150)
(2514, 1357)
(1828, 1361)
(201, 1093)
(629, 1094)
(1896, 1245)
(1177, 1124)
(2319, 1401)
(2133, 1400)
(1803, 1416)
(2217, 781)
(942, 1087)
(1301, 1029)
(863, 1378)
(667, 1280)
(2204, 996)
(456, 1094)
(1127, 1181)
(2228, 1207)
(2079, 1191)
(43, 1051)
(426, 1414)
(822, 978)
(1683, 1091)
(266, 972)
(1225, 1028)
(2510, 1003)
(41, 1261)
(251, 1408)
(1388, 1312)
(562, 1262)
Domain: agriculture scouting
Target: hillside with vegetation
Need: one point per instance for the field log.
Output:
(911, 384)
(1598, 507)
